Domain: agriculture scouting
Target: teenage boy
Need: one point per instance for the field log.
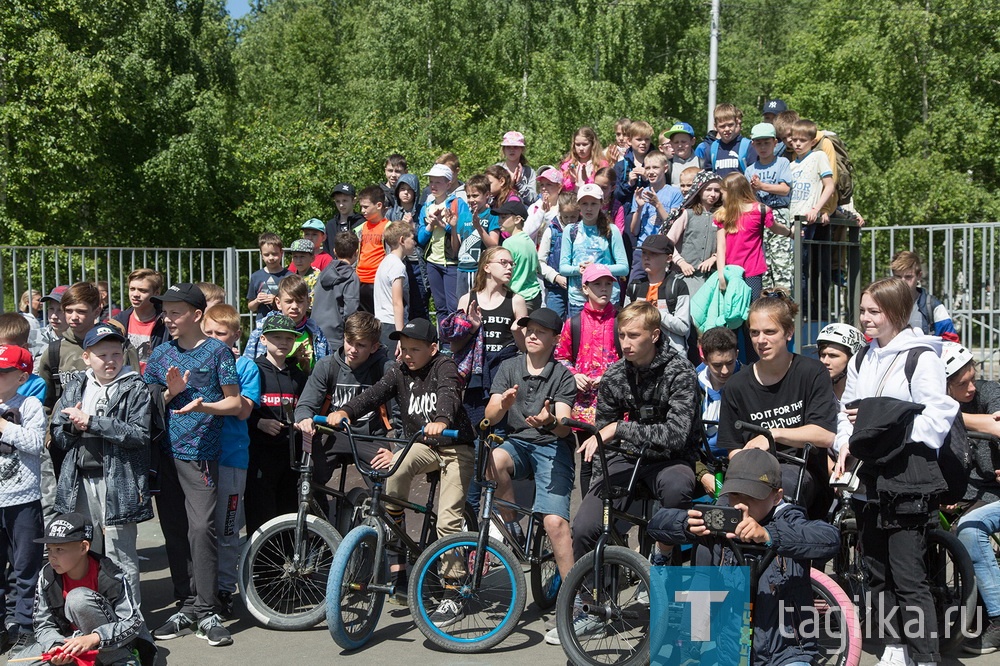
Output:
(443, 212)
(630, 171)
(222, 322)
(22, 437)
(85, 602)
(929, 314)
(345, 219)
(651, 207)
(303, 253)
(771, 181)
(143, 321)
(534, 392)
(480, 232)
(213, 293)
(194, 378)
(731, 151)
(407, 209)
(15, 330)
(314, 231)
(293, 302)
(524, 280)
(682, 140)
(666, 290)
(426, 385)
(272, 484)
(395, 168)
(263, 288)
(371, 201)
(337, 290)
(719, 347)
(102, 424)
(771, 109)
(647, 401)
(392, 289)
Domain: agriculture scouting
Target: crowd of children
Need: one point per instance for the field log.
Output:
(591, 289)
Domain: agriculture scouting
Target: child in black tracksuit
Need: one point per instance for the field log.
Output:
(272, 485)
(752, 485)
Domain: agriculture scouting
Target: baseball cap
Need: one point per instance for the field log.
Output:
(417, 329)
(183, 292)
(512, 139)
(659, 244)
(278, 323)
(101, 332)
(343, 188)
(551, 174)
(590, 190)
(314, 223)
(13, 357)
(441, 171)
(56, 294)
(68, 528)
(680, 128)
(596, 272)
(774, 106)
(302, 245)
(511, 208)
(753, 472)
(548, 318)
(762, 131)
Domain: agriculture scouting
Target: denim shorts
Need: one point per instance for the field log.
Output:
(554, 467)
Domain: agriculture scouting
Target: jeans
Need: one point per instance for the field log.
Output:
(974, 530)
(418, 289)
(555, 299)
(443, 281)
(20, 525)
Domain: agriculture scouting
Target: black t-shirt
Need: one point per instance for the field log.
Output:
(804, 396)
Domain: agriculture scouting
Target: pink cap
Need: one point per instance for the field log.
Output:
(596, 272)
(512, 139)
(551, 174)
(590, 190)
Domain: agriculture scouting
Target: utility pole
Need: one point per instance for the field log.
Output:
(713, 63)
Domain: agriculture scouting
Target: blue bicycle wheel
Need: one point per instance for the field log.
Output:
(352, 609)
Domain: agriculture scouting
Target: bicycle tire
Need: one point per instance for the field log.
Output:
(627, 575)
(491, 612)
(545, 579)
(352, 615)
(836, 618)
(349, 515)
(280, 592)
(953, 586)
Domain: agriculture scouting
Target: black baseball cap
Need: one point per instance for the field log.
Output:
(183, 292)
(774, 106)
(511, 208)
(68, 528)
(102, 332)
(659, 244)
(417, 329)
(56, 294)
(753, 472)
(343, 188)
(548, 318)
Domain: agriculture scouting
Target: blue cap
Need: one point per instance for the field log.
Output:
(102, 332)
(679, 128)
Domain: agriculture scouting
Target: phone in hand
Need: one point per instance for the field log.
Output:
(719, 519)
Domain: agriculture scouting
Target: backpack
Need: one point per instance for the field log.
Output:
(955, 456)
(741, 152)
(844, 185)
(669, 294)
(575, 326)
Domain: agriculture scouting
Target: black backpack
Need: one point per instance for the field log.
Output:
(672, 279)
(955, 456)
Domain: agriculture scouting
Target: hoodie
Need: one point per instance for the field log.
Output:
(335, 298)
(396, 212)
(882, 374)
(20, 450)
(320, 347)
(333, 384)
(280, 389)
(59, 364)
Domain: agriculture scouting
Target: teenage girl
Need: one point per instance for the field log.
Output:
(514, 161)
(584, 159)
(694, 235)
(502, 187)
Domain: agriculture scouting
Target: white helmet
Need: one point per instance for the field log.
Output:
(842, 334)
(955, 357)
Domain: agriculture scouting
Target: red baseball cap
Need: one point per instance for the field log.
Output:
(13, 357)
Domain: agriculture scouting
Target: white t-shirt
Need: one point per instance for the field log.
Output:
(390, 270)
(807, 181)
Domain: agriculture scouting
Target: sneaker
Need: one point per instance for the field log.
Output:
(660, 559)
(986, 642)
(211, 629)
(448, 613)
(584, 626)
(893, 655)
(226, 604)
(24, 640)
(177, 625)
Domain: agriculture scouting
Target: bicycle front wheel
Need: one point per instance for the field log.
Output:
(606, 624)
(953, 587)
(545, 579)
(352, 608)
(836, 621)
(454, 613)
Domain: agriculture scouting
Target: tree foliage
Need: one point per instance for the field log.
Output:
(164, 122)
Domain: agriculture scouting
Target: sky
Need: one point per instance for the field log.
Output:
(237, 8)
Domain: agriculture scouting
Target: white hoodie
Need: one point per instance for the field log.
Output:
(884, 367)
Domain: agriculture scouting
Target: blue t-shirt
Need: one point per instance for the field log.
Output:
(263, 281)
(778, 171)
(34, 386)
(650, 223)
(235, 436)
(194, 436)
(472, 244)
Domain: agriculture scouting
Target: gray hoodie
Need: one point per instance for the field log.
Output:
(335, 299)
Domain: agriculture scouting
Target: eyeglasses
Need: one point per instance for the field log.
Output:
(775, 293)
(504, 262)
